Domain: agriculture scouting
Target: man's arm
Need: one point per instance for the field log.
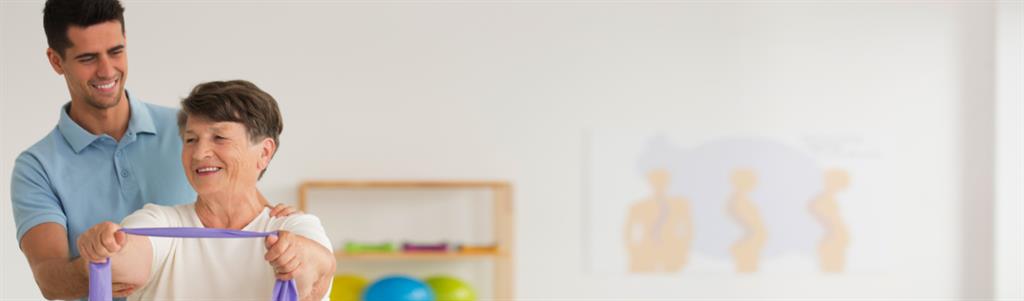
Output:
(57, 275)
(43, 239)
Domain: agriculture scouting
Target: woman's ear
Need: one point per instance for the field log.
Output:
(267, 149)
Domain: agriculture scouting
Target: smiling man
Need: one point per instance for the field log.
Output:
(109, 155)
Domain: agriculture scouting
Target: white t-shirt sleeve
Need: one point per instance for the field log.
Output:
(151, 216)
(308, 226)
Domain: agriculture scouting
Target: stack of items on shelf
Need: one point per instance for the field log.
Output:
(357, 247)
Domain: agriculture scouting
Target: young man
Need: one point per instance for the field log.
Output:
(109, 155)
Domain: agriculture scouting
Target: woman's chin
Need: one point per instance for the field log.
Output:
(205, 191)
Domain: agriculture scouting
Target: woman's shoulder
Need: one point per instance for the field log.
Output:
(294, 220)
(154, 215)
(302, 224)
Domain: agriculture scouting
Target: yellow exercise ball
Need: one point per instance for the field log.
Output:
(447, 288)
(348, 287)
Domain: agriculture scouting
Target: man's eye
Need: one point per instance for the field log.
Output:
(219, 137)
(190, 140)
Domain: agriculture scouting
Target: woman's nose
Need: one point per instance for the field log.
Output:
(202, 150)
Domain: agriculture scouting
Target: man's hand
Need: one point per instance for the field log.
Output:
(100, 242)
(118, 289)
(282, 210)
(121, 290)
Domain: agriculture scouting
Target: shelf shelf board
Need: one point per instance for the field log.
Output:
(342, 256)
(403, 184)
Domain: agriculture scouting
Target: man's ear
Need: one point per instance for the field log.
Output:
(267, 149)
(55, 60)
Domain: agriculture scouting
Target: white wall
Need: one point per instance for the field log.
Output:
(1010, 151)
(506, 90)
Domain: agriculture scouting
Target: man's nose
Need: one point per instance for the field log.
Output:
(105, 68)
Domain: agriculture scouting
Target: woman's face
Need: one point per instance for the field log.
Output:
(219, 158)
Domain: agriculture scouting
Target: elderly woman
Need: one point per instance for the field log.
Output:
(230, 132)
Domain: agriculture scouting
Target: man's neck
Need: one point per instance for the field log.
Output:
(111, 121)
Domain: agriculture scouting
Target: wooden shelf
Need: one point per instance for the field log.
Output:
(398, 184)
(503, 220)
(341, 256)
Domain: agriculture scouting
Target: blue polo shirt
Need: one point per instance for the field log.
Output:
(76, 179)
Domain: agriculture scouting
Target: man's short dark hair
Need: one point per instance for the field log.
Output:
(59, 15)
(235, 101)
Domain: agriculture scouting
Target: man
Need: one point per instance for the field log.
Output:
(109, 155)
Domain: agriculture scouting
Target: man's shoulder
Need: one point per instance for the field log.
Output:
(162, 114)
(165, 123)
(44, 150)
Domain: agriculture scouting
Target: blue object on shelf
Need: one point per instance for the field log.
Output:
(398, 288)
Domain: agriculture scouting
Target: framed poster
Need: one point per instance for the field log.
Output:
(668, 203)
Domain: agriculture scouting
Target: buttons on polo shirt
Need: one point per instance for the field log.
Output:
(124, 173)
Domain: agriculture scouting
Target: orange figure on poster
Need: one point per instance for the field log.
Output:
(658, 229)
(832, 247)
(747, 250)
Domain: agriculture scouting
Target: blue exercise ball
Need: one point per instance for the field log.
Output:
(398, 288)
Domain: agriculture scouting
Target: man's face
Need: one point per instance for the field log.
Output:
(96, 66)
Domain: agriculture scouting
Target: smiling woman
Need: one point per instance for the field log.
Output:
(230, 133)
(227, 127)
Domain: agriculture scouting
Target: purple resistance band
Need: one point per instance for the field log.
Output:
(99, 273)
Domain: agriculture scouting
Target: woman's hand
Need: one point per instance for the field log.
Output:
(283, 254)
(287, 255)
(100, 242)
(130, 257)
(302, 259)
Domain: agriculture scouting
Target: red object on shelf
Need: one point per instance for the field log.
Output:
(424, 247)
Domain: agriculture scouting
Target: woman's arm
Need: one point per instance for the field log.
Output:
(131, 256)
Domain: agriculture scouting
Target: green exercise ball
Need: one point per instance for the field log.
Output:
(448, 288)
(348, 287)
